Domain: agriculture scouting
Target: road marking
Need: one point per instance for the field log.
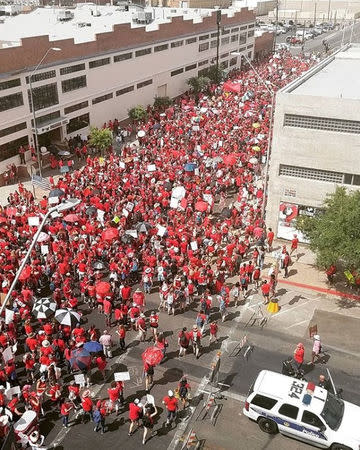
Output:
(297, 323)
(283, 311)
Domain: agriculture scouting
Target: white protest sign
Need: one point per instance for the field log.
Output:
(129, 206)
(193, 246)
(121, 376)
(100, 215)
(174, 202)
(9, 316)
(196, 172)
(125, 212)
(122, 165)
(161, 231)
(44, 249)
(12, 391)
(33, 221)
(7, 354)
(208, 198)
(80, 379)
(53, 200)
(151, 168)
(132, 233)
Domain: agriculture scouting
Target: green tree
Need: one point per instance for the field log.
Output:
(162, 103)
(215, 74)
(137, 113)
(334, 233)
(198, 84)
(101, 138)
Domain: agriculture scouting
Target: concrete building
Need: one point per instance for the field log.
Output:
(315, 139)
(108, 63)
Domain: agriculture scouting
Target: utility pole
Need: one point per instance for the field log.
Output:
(328, 14)
(295, 22)
(218, 23)
(276, 23)
(315, 14)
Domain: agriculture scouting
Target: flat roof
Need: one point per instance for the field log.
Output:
(337, 79)
(89, 19)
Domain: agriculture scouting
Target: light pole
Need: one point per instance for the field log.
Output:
(55, 49)
(218, 24)
(69, 204)
(268, 150)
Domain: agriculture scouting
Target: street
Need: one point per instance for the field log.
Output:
(270, 346)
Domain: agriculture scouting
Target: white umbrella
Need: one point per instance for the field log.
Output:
(67, 316)
(253, 160)
(178, 192)
(141, 133)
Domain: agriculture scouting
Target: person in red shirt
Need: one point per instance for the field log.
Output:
(116, 396)
(294, 245)
(256, 277)
(134, 415)
(299, 355)
(265, 290)
(65, 407)
(270, 239)
(74, 393)
(122, 333)
(101, 365)
(29, 362)
(31, 343)
(171, 404)
(154, 323)
(213, 331)
(87, 406)
(107, 308)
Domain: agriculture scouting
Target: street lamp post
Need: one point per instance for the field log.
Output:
(218, 24)
(55, 49)
(69, 204)
(268, 150)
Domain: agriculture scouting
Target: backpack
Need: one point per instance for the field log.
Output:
(183, 340)
(203, 305)
(243, 281)
(183, 391)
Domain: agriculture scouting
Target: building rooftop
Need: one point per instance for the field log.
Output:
(89, 19)
(339, 78)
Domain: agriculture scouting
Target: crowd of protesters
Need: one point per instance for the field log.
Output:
(180, 213)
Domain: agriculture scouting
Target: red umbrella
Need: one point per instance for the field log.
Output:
(110, 234)
(25, 274)
(152, 356)
(3, 219)
(102, 287)
(72, 218)
(230, 160)
(201, 206)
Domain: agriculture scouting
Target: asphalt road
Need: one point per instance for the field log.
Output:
(270, 348)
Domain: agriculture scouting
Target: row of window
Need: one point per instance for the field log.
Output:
(319, 175)
(224, 41)
(322, 123)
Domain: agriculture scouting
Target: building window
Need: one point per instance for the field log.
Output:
(203, 63)
(76, 107)
(242, 49)
(122, 57)
(242, 39)
(225, 40)
(143, 52)
(213, 44)
(71, 69)
(13, 129)
(233, 61)
(225, 32)
(249, 55)
(191, 67)
(10, 84)
(12, 148)
(177, 72)
(177, 44)
(204, 37)
(322, 123)
(252, 25)
(190, 40)
(202, 72)
(124, 90)
(234, 37)
(311, 174)
(41, 76)
(161, 48)
(214, 35)
(46, 118)
(234, 30)
(44, 96)
(11, 101)
(144, 83)
(224, 55)
(224, 65)
(77, 123)
(203, 47)
(251, 33)
(99, 63)
(351, 179)
(102, 98)
(73, 83)
(250, 46)
(243, 28)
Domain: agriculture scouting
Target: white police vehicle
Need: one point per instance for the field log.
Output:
(301, 410)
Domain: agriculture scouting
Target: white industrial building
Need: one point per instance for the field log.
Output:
(108, 63)
(316, 139)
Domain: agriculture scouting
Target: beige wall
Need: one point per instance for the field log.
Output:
(310, 149)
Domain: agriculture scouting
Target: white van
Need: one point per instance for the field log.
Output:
(301, 410)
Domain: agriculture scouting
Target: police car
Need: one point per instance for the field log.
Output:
(301, 410)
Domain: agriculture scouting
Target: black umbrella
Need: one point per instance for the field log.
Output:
(99, 265)
(126, 239)
(156, 126)
(56, 193)
(226, 212)
(90, 210)
(167, 186)
(143, 227)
